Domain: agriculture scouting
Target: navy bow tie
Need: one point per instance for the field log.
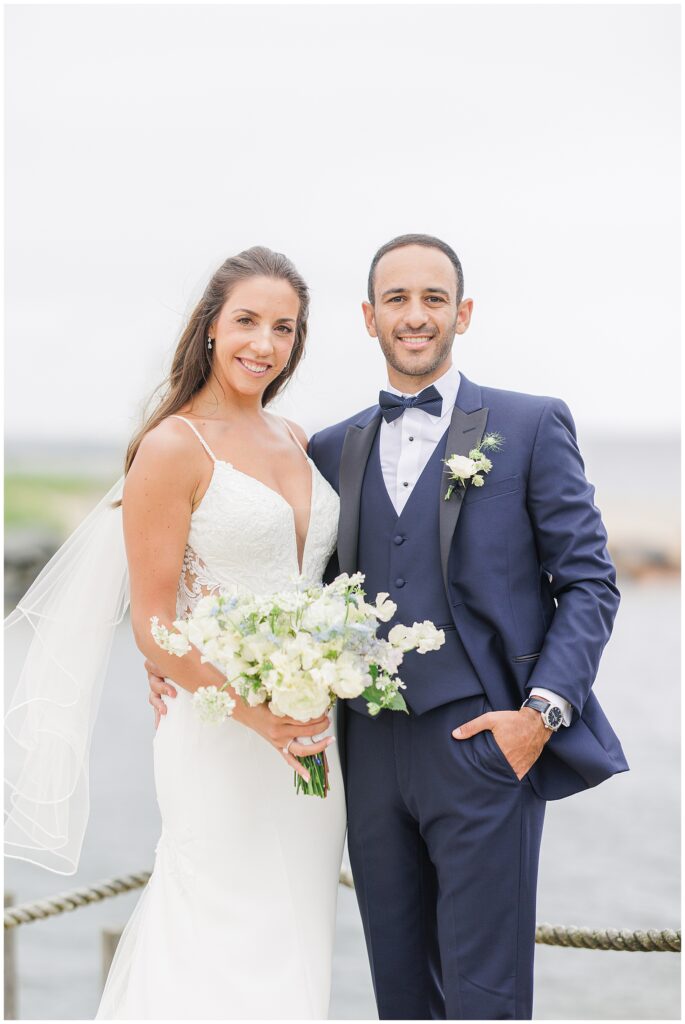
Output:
(392, 406)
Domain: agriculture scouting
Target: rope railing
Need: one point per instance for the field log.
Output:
(63, 902)
(651, 941)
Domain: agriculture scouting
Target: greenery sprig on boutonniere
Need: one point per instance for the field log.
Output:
(473, 466)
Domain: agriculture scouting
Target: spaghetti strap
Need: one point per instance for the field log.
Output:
(198, 436)
(294, 436)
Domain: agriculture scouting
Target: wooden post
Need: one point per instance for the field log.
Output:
(10, 968)
(110, 940)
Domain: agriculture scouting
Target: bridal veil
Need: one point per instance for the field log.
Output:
(57, 648)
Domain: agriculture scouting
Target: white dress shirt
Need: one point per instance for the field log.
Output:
(406, 445)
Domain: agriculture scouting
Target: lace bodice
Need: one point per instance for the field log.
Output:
(243, 533)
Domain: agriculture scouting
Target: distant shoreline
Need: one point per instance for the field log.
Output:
(51, 484)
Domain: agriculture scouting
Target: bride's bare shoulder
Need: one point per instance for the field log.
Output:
(171, 448)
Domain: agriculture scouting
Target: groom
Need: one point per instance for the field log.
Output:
(445, 805)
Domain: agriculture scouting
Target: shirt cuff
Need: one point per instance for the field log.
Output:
(556, 700)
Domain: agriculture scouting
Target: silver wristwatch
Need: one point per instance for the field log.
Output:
(552, 716)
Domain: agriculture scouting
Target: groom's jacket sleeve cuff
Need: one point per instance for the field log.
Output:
(556, 700)
(572, 548)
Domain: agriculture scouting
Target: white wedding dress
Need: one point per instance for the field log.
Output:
(238, 917)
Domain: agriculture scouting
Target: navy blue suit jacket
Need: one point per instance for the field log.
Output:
(531, 587)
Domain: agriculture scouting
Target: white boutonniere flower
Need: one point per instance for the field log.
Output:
(463, 468)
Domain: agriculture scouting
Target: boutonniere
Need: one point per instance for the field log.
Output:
(463, 468)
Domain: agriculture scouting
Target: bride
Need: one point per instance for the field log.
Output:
(237, 919)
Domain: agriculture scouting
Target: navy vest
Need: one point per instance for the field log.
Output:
(400, 555)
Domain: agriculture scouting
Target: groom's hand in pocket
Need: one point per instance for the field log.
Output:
(159, 689)
(520, 735)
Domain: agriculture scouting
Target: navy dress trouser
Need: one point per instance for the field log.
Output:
(444, 843)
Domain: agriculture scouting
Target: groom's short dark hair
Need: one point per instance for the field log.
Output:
(430, 242)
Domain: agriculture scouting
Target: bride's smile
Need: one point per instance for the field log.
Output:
(253, 335)
(259, 369)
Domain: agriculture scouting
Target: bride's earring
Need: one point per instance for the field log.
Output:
(209, 344)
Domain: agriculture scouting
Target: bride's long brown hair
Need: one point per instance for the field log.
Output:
(192, 363)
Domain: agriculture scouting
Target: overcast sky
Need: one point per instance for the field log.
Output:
(144, 144)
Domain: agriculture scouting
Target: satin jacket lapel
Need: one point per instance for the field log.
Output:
(466, 432)
(355, 455)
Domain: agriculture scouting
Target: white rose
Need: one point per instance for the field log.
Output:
(461, 466)
(349, 685)
(300, 697)
(350, 677)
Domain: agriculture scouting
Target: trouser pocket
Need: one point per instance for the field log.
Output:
(496, 753)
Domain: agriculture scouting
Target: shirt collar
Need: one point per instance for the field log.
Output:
(447, 385)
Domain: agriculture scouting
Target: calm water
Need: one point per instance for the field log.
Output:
(610, 857)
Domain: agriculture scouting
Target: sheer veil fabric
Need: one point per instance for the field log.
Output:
(57, 648)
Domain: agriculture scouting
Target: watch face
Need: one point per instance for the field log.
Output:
(554, 717)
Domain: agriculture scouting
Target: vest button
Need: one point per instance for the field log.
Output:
(398, 539)
(399, 582)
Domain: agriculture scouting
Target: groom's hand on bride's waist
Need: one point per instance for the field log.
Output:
(520, 735)
(159, 689)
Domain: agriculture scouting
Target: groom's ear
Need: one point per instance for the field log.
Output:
(369, 319)
(464, 312)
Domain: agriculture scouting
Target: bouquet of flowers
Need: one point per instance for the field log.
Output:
(299, 650)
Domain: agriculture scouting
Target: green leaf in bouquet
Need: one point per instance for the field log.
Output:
(373, 694)
(378, 698)
(397, 703)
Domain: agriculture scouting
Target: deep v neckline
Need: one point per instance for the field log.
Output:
(277, 494)
(265, 487)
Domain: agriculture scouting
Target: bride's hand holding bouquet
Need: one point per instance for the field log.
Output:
(294, 654)
(285, 734)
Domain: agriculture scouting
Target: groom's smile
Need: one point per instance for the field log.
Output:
(415, 341)
(415, 310)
